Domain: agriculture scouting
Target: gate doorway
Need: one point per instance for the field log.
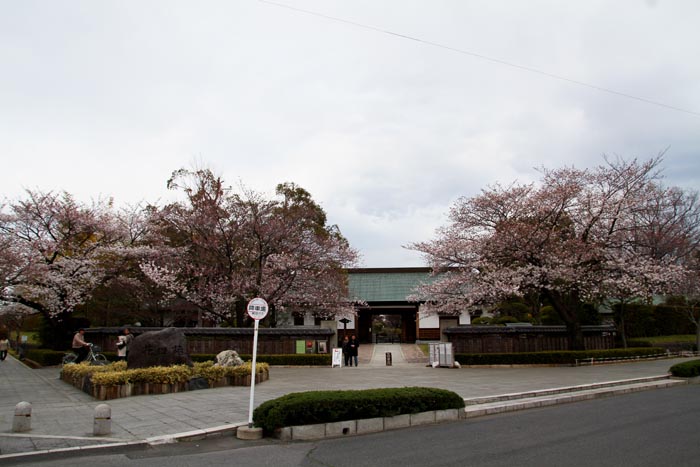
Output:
(387, 325)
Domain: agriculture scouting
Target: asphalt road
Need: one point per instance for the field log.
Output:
(651, 428)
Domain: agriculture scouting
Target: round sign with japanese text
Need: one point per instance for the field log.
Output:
(257, 308)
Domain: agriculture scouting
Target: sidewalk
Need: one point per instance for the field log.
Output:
(62, 416)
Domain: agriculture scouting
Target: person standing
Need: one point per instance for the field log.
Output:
(80, 347)
(354, 346)
(346, 351)
(121, 347)
(123, 344)
(4, 346)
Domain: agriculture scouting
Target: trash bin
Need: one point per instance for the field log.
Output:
(388, 359)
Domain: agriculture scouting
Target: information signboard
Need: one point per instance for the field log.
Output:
(337, 359)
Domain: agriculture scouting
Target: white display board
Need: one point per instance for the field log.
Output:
(337, 359)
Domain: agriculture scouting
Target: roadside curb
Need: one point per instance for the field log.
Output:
(538, 399)
(72, 451)
(120, 447)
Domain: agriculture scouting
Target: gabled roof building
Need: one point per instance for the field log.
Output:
(387, 313)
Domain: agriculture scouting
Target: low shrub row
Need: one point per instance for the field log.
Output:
(117, 373)
(277, 360)
(305, 408)
(567, 357)
(46, 357)
(672, 346)
(686, 369)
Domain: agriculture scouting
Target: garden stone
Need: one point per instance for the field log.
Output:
(159, 348)
(228, 358)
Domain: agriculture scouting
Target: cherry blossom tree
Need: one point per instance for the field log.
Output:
(578, 236)
(56, 251)
(220, 248)
(687, 296)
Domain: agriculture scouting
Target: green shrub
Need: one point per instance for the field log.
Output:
(505, 319)
(482, 321)
(686, 369)
(549, 316)
(563, 357)
(301, 359)
(45, 357)
(639, 343)
(117, 373)
(305, 408)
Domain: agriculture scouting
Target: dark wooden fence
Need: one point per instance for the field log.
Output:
(271, 341)
(507, 339)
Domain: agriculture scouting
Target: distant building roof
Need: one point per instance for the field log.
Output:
(386, 284)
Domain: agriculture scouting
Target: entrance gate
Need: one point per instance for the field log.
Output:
(387, 324)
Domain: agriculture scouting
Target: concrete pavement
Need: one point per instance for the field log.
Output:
(62, 416)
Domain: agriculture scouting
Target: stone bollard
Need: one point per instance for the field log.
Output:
(103, 420)
(23, 417)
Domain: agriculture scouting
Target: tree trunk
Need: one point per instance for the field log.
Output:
(240, 313)
(273, 316)
(623, 333)
(567, 306)
(575, 336)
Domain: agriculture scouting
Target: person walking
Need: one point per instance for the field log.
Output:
(80, 347)
(4, 346)
(354, 345)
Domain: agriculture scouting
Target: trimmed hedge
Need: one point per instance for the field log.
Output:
(45, 357)
(565, 357)
(306, 408)
(301, 359)
(686, 369)
(118, 373)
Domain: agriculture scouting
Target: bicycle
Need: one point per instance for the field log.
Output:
(94, 357)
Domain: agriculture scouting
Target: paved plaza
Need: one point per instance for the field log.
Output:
(62, 416)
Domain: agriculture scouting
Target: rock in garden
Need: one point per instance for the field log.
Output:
(159, 348)
(228, 358)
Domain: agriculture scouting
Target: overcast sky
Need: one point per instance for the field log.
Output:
(108, 98)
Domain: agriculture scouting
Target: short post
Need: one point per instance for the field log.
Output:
(388, 359)
(23, 417)
(103, 420)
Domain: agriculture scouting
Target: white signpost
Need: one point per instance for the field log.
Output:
(257, 309)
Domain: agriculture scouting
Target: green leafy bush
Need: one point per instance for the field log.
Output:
(639, 343)
(686, 369)
(277, 360)
(564, 357)
(304, 408)
(45, 357)
(482, 321)
(117, 373)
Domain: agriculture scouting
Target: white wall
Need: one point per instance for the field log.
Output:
(428, 320)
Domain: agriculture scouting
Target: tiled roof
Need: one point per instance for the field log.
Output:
(385, 285)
